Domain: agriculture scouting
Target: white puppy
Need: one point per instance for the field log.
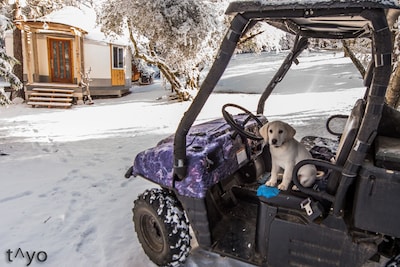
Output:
(286, 152)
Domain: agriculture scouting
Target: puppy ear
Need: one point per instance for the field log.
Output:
(264, 132)
(290, 130)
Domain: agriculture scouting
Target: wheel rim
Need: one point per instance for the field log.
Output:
(152, 232)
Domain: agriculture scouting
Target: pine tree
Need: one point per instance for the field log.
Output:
(7, 63)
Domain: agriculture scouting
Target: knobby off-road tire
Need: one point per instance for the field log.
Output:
(162, 227)
(394, 262)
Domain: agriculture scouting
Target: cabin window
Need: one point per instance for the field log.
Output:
(118, 57)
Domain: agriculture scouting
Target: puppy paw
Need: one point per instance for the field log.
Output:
(270, 183)
(282, 187)
(295, 188)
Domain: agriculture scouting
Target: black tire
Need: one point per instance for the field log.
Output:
(394, 262)
(162, 227)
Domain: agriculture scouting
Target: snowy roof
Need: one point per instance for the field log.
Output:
(83, 18)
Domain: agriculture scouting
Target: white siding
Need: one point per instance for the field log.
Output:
(42, 56)
(97, 57)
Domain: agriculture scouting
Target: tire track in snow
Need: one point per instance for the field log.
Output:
(16, 196)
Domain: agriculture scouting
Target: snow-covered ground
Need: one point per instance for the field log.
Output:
(63, 195)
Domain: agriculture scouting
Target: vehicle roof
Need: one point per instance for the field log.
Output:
(316, 18)
(263, 5)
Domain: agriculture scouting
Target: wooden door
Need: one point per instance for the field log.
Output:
(60, 60)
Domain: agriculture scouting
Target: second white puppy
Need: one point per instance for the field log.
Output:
(286, 152)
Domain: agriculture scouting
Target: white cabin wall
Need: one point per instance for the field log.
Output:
(10, 50)
(97, 57)
(43, 56)
(9, 43)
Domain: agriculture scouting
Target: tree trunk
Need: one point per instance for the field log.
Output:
(17, 50)
(249, 37)
(353, 58)
(166, 71)
(393, 91)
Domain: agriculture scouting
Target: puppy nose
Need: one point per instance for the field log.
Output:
(274, 141)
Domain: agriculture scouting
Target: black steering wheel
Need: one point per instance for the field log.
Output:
(240, 127)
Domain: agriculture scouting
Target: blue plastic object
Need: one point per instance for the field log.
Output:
(267, 192)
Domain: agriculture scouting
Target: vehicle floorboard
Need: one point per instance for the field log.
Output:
(236, 232)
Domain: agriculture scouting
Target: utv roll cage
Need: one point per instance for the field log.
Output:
(209, 173)
(331, 20)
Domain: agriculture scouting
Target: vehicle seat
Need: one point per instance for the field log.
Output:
(346, 143)
(390, 122)
(293, 199)
(331, 178)
(333, 150)
(387, 142)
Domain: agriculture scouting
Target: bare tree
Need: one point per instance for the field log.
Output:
(178, 36)
(393, 92)
(348, 52)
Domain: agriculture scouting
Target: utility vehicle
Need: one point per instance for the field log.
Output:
(207, 174)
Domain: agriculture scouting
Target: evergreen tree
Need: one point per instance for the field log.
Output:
(7, 63)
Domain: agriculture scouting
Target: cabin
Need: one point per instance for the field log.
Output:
(60, 48)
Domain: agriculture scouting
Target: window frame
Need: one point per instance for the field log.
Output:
(118, 57)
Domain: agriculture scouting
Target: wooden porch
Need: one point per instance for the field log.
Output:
(54, 63)
(52, 95)
(64, 94)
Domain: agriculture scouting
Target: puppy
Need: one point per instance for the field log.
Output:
(286, 152)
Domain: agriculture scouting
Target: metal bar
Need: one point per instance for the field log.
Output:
(227, 48)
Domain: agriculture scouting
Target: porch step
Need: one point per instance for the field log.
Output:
(51, 94)
(54, 90)
(50, 104)
(54, 99)
(51, 97)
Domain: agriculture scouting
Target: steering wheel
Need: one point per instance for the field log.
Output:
(240, 127)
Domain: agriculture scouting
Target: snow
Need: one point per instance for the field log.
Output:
(83, 18)
(63, 194)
